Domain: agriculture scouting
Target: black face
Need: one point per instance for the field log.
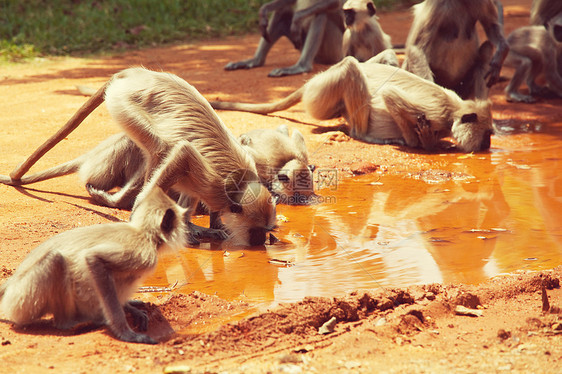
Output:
(349, 15)
(257, 236)
(485, 145)
(557, 31)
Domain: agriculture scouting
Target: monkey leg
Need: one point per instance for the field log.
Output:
(279, 26)
(523, 70)
(405, 113)
(122, 199)
(416, 63)
(340, 90)
(113, 311)
(311, 47)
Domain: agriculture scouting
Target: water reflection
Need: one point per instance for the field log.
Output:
(503, 214)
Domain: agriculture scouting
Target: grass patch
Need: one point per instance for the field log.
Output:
(33, 28)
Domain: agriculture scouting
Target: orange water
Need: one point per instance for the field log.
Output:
(502, 212)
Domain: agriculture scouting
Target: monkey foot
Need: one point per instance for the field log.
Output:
(245, 64)
(519, 98)
(292, 70)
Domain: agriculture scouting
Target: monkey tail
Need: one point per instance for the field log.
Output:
(286, 103)
(56, 171)
(63, 132)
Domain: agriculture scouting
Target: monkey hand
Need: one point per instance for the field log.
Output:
(140, 317)
(426, 135)
(134, 337)
(493, 75)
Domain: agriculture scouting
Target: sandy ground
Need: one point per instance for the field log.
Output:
(383, 330)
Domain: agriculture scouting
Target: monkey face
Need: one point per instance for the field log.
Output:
(355, 10)
(250, 220)
(473, 132)
(293, 183)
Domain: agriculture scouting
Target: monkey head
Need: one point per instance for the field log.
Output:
(472, 126)
(356, 10)
(293, 183)
(159, 213)
(554, 27)
(251, 214)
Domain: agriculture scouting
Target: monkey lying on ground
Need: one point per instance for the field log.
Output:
(159, 112)
(534, 51)
(282, 163)
(115, 162)
(363, 37)
(444, 33)
(315, 27)
(87, 274)
(385, 104)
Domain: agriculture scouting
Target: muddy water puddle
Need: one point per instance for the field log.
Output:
(488, 214)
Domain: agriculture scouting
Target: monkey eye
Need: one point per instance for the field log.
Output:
(283, 177)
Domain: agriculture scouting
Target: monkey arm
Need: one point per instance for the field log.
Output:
(267, 8)
(104, 284)
(407, 116)
(494, 32)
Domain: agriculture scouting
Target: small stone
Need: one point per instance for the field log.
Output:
(464, 311)
(430, 296)
(328, 327)
(503, 335)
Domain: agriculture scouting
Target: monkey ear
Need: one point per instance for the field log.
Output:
(283, 129)
(168, 221)
(371, 8)
(469, 118)
(245, 139)
(300, 144)
(236, 208)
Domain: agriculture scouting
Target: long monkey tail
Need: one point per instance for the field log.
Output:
(286, 103)
(63, 132)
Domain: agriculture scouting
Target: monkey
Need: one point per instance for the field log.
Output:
(363, 37)
(444, 32)
(159, 112)
(88, 274)
(282, 163)
(115, 162)
(543, 10)
(315, 27)
(385, 104)
(534, 51)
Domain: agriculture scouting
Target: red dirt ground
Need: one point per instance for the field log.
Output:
(384, 330)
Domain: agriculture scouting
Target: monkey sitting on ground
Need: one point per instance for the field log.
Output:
(282, 163)
(160, 112)
(115, 162)
(444, 34)
(363, 37)
(534, 51)
(384, 104)
(87, 274)
(315, 27)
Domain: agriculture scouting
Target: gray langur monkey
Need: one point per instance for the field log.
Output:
(443, 38)
(116, 162)
(282, 163)
(543, 10)
(534, 51)
(88, 274)
(187, 148)
(363, 37)
(385, 104)
(315, 27)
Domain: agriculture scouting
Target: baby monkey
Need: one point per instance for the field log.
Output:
(87, 274)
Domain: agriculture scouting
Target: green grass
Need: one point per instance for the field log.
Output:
(33, 28)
